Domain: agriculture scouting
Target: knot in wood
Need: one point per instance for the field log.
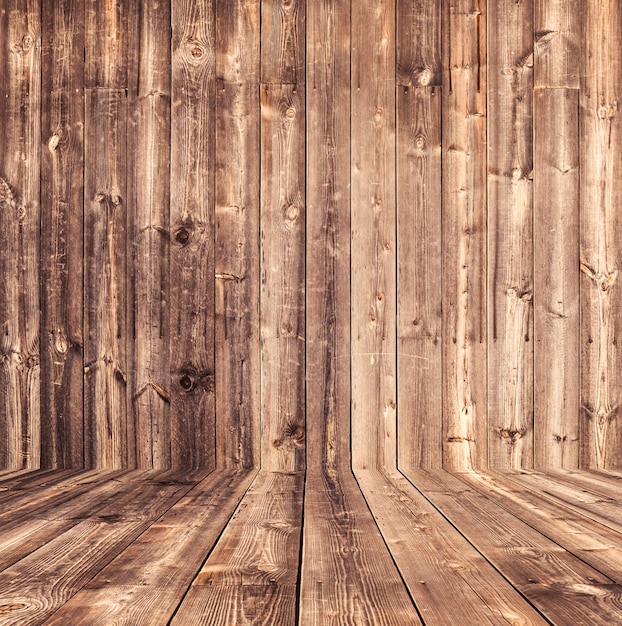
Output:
(53, 142)
(197, 51)
(290, 113)
(182, 237)
(425, 77)
(185, 382)
(21, 213)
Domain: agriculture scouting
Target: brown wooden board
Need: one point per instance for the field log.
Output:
(373, 241)
(510, 234)
(237, 234)
(283, 215)
(105, 298)
(192, 386)
(464, 234)
(148, 236)
(62, 180)
(601, 233)
(556, 279)
(419, 267)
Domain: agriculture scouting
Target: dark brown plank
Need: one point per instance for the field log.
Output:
(373, 241)
(464, 234)
(105, 215)
(192, 388)
(510, 234)
(62, 179)
(282, 277)
(237, 234)
(149, 181)
(556, 280)
(283, 42)
(419, 266)
(601, 233)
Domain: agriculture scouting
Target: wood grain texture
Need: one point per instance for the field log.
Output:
(464, 234)
(556, 280)
(20, 127)
(62, 180)
(251, 575)
(557, 43)
(149, 182)
(510, 235)
(373, 257)
(601, 233)
(192, 386)
(283, 41)
(418, 38)
(283, 216)
(237, 235)
(419, 268)
(105, 268)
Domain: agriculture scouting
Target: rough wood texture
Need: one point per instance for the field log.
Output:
(556, 279)
(373, 257)
(601, 233)
(464, 234)
(237, 234)
(150, 137)
(283, 217)
(105, 333)
(419, 266)
(192, 386)
(20, 127)
(510, 235)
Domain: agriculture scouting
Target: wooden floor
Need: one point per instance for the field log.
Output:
(325, 547)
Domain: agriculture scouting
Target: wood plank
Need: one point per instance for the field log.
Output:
(449, 581)
(145, 583)
(251, 575)
(510, 235)
(283, 42)
(601, 233)
(192, 388)
(373, 257)
(149, 180)
(419, 266)
(237, 234)
(557, 44)
(418, 39)
(556, 281)
(20, 127)
(106, 193)
(464, 234)
(62, 180)
(559, 585)
(347, 573)
(282, 277)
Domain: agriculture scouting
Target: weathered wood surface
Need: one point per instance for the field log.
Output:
(601, 231)
(464, 234)
(62, 179)
(510, 234)
(237, 234)
(556, 280)
(192, 386)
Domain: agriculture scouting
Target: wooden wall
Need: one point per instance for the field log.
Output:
(377, 232)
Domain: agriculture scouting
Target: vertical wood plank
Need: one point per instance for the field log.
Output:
(418, 36)
(373, 259)
(556, 279)
(283, 41)
(464, 234)
(557, 46)
(420, 400)
(601, 233)
(192, 388)
(282, 277)
(20, 128)
(237, 234)
(105, 300)
(62, 172)
(149, 145)
(510, 234)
